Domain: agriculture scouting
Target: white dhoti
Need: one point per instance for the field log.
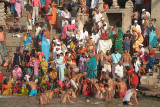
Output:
(74, 84)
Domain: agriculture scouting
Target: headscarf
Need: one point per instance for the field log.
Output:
(135, 29)
(120, 35)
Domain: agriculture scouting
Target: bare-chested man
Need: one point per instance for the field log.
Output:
(99, 59)
(66, 97)
(43, 98)
(107, 61)
(49, 93)
(126, 58)
(46, 34)
(75, 80)
(90, 45)
(111, 87)
(33, 86)
(122, 88)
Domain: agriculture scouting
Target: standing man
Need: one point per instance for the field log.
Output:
(116, 58)
(145, 13)
(107, 61)
(2, 42)
(136, 26)
(36, 4)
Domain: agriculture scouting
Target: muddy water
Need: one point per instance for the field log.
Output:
(26, 101)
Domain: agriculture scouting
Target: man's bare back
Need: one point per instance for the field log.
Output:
(33, 85)
(126, 58)
(122, 87)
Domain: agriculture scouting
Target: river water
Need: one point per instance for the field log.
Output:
(26, 101)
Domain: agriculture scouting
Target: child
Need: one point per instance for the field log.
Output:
(38, 28)
(27, 76)
(57, 91)
(126, 43)
(49, 93)
(43, 98)
(87, 100)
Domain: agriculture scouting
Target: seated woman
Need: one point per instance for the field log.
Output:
(69, 30)
(17, 72)
(152, 58)
(15, 26)
(7, 88)
(27, 42)
(143, 56)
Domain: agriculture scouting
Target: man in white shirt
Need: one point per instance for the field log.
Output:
(145, 13)
(103, 24)
(82, 36)
(119, 70)
(65, 16)
(97, 18)
(136, 25)
(137, 64)
(95, 36)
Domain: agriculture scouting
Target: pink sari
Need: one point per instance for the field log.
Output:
(17, 73)
(18, 7)
(66, 28)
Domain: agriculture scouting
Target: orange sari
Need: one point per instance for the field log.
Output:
(54, 14)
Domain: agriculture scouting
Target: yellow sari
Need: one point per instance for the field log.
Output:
(138, 39)
(44, 67)
(8, 91)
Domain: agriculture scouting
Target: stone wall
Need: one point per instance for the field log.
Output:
(155, 10)
(2, 14)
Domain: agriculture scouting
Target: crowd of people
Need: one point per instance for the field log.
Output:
(64, 67)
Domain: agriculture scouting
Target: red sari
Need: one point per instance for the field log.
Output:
(87, 88)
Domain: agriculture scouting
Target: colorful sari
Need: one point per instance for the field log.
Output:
(84, 6)
(54, 13)
(26, 41)
(138, 39)
(18, 7)
(12, 6)
(87, 88)
(17, 73)
(152, 38)
(44, 67)
(119, 41)
(7, 89)
(92, 68)
(45, 48)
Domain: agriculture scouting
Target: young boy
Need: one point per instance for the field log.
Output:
(43, 98)
(126, 43)
(29, 22)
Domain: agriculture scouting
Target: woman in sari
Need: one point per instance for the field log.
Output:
(49, 16)
(6, 88)
(152, 57)
(18, 8)
(152, 34)
(13, 6)
(44, 65)
(27, 41)
(138, 39)
(54, 13)
(87, 87)
(84, 6)
(119, 41)
(17, 72)
(92, 67)
(143, 56)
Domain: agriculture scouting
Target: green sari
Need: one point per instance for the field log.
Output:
(119, 41)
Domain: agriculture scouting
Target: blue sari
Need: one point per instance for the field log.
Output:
(45, 48)
(92, 68)
(152, 38)
(13, 8)
(27, 41)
